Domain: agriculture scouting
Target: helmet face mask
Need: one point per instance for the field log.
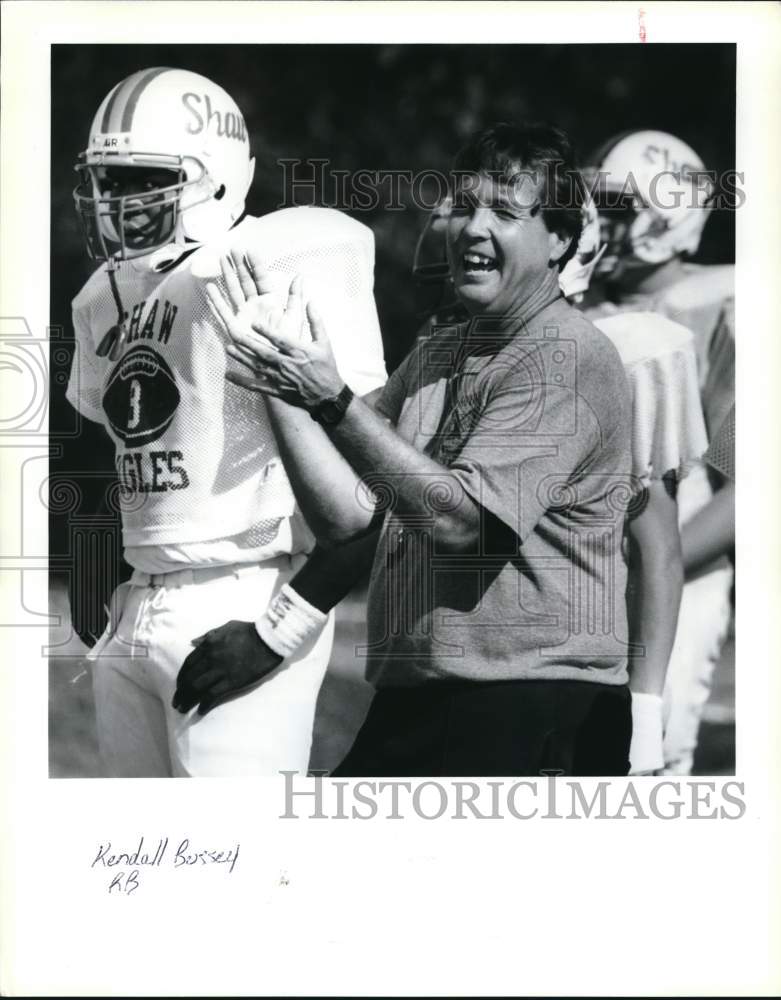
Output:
(622, 232)
(434, 292)
(129, 211)
(634, 235)
(167, 161)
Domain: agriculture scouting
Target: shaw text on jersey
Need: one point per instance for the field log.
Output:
(153, 327)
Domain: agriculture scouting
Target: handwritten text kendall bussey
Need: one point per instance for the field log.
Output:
(127, 865)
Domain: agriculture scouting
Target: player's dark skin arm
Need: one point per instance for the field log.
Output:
(233, 658)
(710, 533)
(329, 575)
(655, 585)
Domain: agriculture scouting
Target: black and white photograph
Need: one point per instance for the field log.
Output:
(493, 460)
(369, 443)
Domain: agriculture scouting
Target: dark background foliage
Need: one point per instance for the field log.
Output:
(391, 107)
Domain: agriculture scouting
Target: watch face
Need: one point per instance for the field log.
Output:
(330, 411)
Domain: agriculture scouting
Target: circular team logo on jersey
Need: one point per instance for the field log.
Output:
(141, 397)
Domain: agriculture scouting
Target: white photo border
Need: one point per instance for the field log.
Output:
(389, 907)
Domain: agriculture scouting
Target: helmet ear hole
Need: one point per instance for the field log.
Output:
(218, 194)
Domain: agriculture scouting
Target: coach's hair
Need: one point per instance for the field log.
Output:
(503, 151)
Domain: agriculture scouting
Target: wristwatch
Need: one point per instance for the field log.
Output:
(330, 411)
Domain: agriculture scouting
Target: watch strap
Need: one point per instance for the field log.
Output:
(330, 411)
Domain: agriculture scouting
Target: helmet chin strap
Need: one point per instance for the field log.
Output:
(112, 342)
(165, 256)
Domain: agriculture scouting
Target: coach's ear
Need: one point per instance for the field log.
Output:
(558, 246)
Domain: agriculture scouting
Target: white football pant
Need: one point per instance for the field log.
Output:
(137, 661)
(703, 621)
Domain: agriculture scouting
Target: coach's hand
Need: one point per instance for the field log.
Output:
(272, 343)
(225, 661)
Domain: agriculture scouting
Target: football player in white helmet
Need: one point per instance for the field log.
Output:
(668, 437)
(210, 523)
(195, 193)
(654, 197)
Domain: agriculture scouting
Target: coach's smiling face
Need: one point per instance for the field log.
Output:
(499, 248)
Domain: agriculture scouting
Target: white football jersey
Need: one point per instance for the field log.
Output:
(702, 300)
(668, 427)
(200, 473)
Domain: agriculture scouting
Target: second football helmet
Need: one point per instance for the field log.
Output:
(575, 276)
(167, 160)
(654, 197)
(434, 293)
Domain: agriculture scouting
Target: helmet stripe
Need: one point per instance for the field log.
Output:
(109, 107)
(123, 100)
(140, 87)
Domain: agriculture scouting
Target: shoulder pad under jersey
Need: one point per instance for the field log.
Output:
(308, 241)
(88, 290)
(640, 336)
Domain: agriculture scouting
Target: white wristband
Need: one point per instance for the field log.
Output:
(288, 622)
(645, 752)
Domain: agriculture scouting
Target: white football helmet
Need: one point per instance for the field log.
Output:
(575, 276)
(167, 161)
(654, 197)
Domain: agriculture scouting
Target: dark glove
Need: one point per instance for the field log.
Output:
(226, 660)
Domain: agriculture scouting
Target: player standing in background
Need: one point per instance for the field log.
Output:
(668, 438)
(210, 523)
(654, 198)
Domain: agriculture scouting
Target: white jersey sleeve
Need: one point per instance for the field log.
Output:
(85, 384)
(668, 428)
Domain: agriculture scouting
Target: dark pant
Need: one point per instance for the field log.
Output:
(498, 728)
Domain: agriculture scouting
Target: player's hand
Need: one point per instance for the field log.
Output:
(274, 346)
(225, 661)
